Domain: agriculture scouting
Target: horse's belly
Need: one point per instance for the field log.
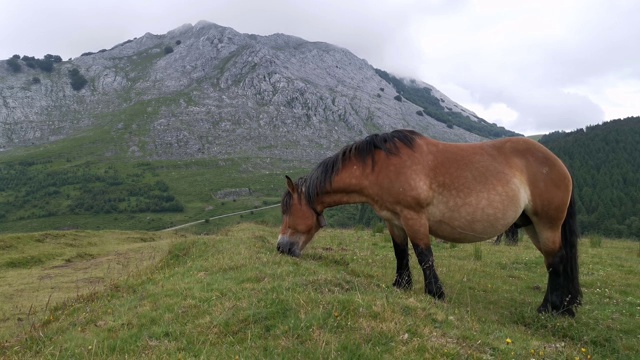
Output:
(476, 219)
(467, 233)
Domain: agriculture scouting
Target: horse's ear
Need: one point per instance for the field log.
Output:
(290, 185)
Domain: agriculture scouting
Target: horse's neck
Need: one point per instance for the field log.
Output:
(347, 187)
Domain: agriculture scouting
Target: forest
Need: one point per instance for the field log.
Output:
(604, 160)
(36, 189)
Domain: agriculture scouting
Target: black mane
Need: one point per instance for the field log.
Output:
(321, 177)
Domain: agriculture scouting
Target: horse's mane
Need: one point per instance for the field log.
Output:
(321, 177)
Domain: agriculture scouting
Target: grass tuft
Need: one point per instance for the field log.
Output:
(477, 252)
(595, 241)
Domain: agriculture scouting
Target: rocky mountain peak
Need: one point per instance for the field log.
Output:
(206, 90)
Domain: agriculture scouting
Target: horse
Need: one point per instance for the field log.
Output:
(420, 186)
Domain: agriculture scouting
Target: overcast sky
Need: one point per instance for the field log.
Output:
(531, 66)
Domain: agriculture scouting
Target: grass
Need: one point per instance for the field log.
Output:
(232, 296)
(40, 269)
(595, 241)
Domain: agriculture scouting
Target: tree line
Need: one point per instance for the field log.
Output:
(36, 189)
(46, 64)
(604, 161)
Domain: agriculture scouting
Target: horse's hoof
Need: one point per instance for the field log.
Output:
(567, 311)
(544, 309)
(403, 284)
(437, 294)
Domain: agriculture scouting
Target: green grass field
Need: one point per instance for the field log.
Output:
(230, 295)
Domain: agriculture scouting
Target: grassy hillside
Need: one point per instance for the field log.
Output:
(54, 187)
(71, 184)
(232, 296)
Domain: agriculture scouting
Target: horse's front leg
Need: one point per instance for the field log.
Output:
(432, 284)
(418, 231)
(401, 249)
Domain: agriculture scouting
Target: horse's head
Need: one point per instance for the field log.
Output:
(300, 222)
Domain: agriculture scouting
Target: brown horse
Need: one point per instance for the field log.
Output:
(461, 193)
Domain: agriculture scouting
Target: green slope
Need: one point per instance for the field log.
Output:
(72, 184)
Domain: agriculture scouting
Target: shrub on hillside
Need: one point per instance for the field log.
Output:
(14, 65)
(78, 81)
(44, 65)
(53, 58)
(168, 49)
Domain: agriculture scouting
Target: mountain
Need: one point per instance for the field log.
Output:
(154, 131)
(604, 161)
(209, 91)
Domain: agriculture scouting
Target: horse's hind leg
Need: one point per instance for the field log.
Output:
(556, 294)
(550, 245)
(401, 249)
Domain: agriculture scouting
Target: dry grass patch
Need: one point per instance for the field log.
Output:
(42, 269)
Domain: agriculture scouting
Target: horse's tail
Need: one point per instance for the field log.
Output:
(570, 237)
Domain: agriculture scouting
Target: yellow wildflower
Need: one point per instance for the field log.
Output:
(509, 341)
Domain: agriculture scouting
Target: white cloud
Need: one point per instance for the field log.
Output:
(501, 113)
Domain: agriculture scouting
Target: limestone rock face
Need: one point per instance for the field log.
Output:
(218, 93)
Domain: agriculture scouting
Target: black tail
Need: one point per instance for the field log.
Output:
(570, 237)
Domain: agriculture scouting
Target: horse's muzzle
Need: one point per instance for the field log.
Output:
(285, 246)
